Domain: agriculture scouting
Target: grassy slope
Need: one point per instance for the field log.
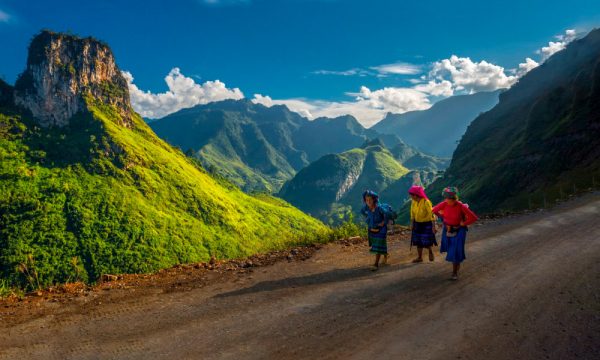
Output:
(145, 208)
(380, 170)
(315, 187)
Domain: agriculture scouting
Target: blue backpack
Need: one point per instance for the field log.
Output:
(388, 211)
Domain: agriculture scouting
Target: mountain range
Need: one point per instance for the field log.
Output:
(438, 129)
(541, 140)
(259, 148)
(87, 188)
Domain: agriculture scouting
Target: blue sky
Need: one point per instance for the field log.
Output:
(328, 56)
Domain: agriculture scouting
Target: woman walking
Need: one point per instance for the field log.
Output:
(422, 223)
(377, 221)
(457, 217)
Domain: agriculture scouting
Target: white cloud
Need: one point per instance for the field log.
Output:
(350, 72)
(4, 17)
(368, 106)
(469, 76)
(264, 100)
(393, 99)
(556, 46)
(445, 78)
(526, 66)
(183, 92)
(398, 68)
(442, 88)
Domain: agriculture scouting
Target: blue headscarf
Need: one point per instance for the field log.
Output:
(372, 194)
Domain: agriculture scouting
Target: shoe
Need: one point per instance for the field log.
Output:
(454, 277)
(417, 260)
(374, 268)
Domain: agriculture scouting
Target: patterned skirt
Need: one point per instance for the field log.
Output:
(454, 246)
(378, 245)
(422, 234)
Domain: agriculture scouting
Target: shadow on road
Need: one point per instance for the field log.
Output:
(332, 276)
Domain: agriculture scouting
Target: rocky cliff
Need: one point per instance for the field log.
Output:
(62, 71)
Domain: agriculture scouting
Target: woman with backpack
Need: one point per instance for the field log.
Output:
(457, 217)
(377, 220)
(422, 223)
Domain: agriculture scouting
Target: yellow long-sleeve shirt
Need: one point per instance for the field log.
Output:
(420, 211)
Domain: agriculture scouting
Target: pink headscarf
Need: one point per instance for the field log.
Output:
(418, 191)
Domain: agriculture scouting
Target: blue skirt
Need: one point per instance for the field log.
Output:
(454, 246)
(378, 245)
(422, 234)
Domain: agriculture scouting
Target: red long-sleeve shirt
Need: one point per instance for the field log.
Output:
(454, 214)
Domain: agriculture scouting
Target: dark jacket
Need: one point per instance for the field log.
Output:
(374, 219)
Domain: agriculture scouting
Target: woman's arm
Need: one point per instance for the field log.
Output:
(470, 216)
(437, 210)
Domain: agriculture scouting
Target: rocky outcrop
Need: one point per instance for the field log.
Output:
(349, 181)
(62, 71)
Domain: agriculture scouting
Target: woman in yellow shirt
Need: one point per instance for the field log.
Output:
(422, 223)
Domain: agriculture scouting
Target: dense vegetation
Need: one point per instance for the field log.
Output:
(259, 148)
(540, 142)
(331, 187)
(96, 197)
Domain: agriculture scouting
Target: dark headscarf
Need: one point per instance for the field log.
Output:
(372, 194)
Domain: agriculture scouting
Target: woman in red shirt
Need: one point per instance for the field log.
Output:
(457, 217)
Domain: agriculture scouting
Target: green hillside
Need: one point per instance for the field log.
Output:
(258, 148)
(541, 142)
(332, 186)
(101, 193)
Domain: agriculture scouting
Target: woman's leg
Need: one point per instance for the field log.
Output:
(431, 257)
(377, 257)
(455, 268)
(419, 255)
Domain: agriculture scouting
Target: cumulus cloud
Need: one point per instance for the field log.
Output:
(442, 88)
(264, 100)
(183, 92)
(526, 66)
(394, 99)
(442, 78)
(469, 76)
(556, 46)
(369, 106)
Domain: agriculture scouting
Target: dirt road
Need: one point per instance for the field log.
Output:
(530, 289)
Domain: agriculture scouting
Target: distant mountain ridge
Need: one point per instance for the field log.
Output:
(259, 148)
(541, 140)
(437, 130)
